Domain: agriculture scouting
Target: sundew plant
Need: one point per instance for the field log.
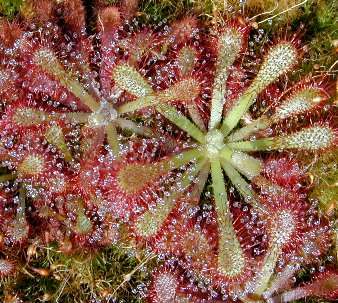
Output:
(183, 141)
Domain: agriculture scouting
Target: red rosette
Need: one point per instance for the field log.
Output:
(7, 268)
(238, 25)
(34, 162)
(163, 233)
(14, 227)
(44, 72)
(38, 12)
(125, 189)
(9, 84)
(316, 242)
(283, 171)
(182, 31)
(25, 115)
(324, 285)
(235, 284)
(73, 15)
(170, 284)
(10, 32)
(286, 223)
(196, 243)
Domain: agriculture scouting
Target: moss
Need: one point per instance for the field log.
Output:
(324, 175)
(319, 21)
(9, 8)
(282, 12)
(155, 11)
(113, 272)
(112, 2)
